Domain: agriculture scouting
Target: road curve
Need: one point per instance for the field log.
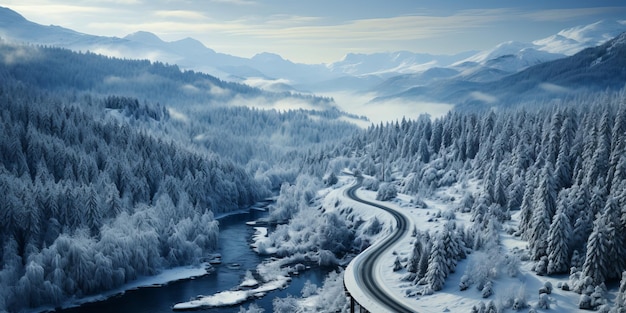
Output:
(376, 298)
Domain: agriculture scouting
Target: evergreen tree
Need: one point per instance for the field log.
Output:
(545, 208)
(598, 245)
(416, 254)
(526, 214)
(422, 267)
(615, 255)
(558, 250)
(437, 267)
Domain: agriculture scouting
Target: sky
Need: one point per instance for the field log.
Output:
(323, 31)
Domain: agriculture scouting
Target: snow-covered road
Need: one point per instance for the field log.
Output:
(363, 275)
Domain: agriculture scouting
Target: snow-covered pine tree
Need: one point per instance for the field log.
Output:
(527, 204)
(416, 254)
(437, 268)
(558, 249)
(545, 208)
(598, 246)
(615, 255)
(422, 267)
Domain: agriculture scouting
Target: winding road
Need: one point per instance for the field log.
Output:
(374, 297)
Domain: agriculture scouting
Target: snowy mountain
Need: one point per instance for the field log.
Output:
(383, 74)
(509, 56)
(389, 63)
(572, 40)
(590, 70)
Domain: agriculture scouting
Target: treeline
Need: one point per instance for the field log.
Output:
(264, 138)
(89, 202)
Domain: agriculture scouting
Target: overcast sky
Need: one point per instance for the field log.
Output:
(316, 31)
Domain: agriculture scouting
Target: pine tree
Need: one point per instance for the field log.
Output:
(554, 136)
(422, 267)
(618, 144)
(582, 217)
(436, 273)
(545, 208)
(620, 300)
(451, 245)
(413, 263)
(92, 209)
(558, 250)
(615, 255)
(598, 246)
(527, 205)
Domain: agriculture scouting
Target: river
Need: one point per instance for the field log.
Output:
(235, 249)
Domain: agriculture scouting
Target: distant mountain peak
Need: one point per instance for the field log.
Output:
(571, 40)
(190, 44)
(8, 16)
(144, 37)
(268, 57)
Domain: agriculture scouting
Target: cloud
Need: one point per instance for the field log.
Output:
(63, 10)
(180, 14)
(568, 14)
(291, 20)
(267, 84)
(484, 97)
(18, 54)
(235, 2)
(554, 88)
(387, 110)
(406, 27)
(247, 27)
(179, 116)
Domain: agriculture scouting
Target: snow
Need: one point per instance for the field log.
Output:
(505, 48)
(165, 277)
(223, 298)
(232, 297)
(572, 40)
(261, 242)
(450, 298)
(249, 281)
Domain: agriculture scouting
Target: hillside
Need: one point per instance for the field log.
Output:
(110, 170)
(153, 81)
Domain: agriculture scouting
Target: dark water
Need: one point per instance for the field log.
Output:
(234, 247)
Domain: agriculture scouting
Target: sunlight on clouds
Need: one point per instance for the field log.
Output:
(247, 27)
(235, 2)
(291, 20)
(409, 27)
(62, 10)
(180, 14)
(166, 27)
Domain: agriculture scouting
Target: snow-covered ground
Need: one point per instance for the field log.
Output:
(233, 297)
(525, 284)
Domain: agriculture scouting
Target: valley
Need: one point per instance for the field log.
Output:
(486, 180)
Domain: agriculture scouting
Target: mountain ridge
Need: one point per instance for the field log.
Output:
(355, 72)
(590, 70)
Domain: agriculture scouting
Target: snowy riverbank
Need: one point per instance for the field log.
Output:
(166, 277)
